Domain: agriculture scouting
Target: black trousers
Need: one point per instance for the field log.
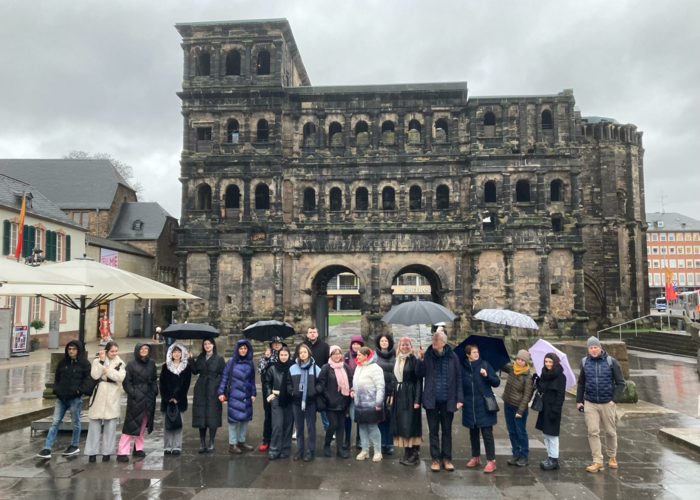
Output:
(489, 443)
(440, 418)
(267, 424)
(336, 425)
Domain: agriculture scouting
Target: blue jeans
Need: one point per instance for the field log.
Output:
(324, 420)
(59, 411)
(517, 431)
(237, 432)
(370, 432)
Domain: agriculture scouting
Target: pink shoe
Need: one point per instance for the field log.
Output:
(490, 466)
(473, 462)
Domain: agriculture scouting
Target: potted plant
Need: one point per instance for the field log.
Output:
(37, 324)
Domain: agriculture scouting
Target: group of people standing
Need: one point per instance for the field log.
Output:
(381, 390)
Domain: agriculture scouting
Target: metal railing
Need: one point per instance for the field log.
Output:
(619, 326)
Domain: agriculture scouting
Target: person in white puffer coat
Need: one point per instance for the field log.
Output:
(368, 389)
(105, 402)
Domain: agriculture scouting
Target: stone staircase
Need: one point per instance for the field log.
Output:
(679, 343)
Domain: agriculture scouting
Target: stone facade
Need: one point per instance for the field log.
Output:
(511, 201)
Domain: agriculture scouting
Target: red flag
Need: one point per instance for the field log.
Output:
(20, 229)
(670, 292)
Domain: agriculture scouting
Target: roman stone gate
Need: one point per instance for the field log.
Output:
(297, 198)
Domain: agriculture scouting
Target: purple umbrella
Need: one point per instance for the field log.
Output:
(540, 349)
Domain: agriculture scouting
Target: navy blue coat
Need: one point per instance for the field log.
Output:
(474, 412)
(425, 369)
(239, 373)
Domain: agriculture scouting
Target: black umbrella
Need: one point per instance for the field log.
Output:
(491, 349)
(418, 312)
(190, 331)
(264, 331)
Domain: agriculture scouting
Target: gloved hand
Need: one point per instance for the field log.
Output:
(270, 398)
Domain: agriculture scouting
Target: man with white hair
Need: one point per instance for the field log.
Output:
(442, 397)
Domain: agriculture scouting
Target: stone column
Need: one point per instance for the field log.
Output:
(538, 118)
(216, 134)
(505, 122)
(277, 138)
(473, 283)
(571, 113)
(400, 136)
(246, 199)
(375, 130)
(182, 279)
(579, 289)
(278, 277)
(216, 202)
(541, 192)
(555, 122)
(348, 198)
(246, 134)
(429, 198)
(375, 281)
(213, 284)
(278, 197)
(321, 132)
(428, 131)
(473, 193)
(321, 201)
(403, 206)
(185, 201)
(459, 290)
(575, 191)
(186, 64)
(216, 63)
(248, 67)
(522, 127)
(507, 194)
(278, 63)
(544, 280)
(246, 299)
(374, 207)
(186, 129)
(296, 287)
(454, 130)
(508, 276)
(346, 135)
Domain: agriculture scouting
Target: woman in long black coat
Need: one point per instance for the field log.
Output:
(406, 425)
(206, 407)
(141, 389)
(551, 385)
(386, 359)
(175, 377)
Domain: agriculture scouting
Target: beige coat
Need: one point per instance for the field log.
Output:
(106, 402)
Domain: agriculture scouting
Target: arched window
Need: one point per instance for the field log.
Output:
(489, 125)
(204, 197)
(361, 199)
(522, 191)
(232, 132)
(388, 134)
(414, 129)
(203, 67)
(233, 62)
(309, 200)
(262, 197)
(388, 198)
(442, 197)
(361, 133)
(556, 190)
(490, 192)
(546, 120)
(415, 198)
(441, 130)
(233, 197)
(263, 131)
(336, 200)
(309, 134)
(335, 134)
(264, 63)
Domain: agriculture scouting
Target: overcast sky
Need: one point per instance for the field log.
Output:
(102, 76)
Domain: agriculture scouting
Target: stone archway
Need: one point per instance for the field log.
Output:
(594, 304)
(436, 287)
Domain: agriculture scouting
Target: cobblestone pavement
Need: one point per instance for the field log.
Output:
(649, 466)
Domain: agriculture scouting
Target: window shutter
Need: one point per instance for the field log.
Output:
(6, 234)
(67, 247)
(53, 246)
(25, 241)
(32, 240)
(50, 248)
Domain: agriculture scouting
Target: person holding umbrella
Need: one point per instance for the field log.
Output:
(442, 397)
(175, 378)
(551, 386)
(206, 407)
(267, 359)
(516, 397)
(237, 386)
(406, 422)
(478, 379)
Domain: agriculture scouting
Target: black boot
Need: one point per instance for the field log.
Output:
(406, 454)
(413, 456)
(327, 450)
(212, 437)
(513, 459)
(202, 441)
(342, 451)
(346, 443)
(550, 464)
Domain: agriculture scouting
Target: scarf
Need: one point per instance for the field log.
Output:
(182, 366)
(398, 367)
(519, 371)
(369, 356)
(284, 367)
(304, 381)
(340, 375)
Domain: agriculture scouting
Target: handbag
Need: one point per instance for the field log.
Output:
(537, 402)
(491, 403)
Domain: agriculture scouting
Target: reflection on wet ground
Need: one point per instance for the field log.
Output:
(23, 382)
(649, 467)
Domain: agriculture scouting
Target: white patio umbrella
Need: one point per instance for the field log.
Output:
(14, 273)
(103, 283)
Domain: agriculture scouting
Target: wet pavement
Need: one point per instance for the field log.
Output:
(650, 467)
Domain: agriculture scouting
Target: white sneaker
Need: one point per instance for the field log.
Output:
(294, 436)
(363, 455)
(377, 457)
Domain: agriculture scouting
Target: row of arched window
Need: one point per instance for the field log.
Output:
(523, 194)
(233, 63)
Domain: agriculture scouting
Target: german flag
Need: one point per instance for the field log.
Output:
(20, 229)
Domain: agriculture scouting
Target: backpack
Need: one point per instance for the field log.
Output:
(609, 359)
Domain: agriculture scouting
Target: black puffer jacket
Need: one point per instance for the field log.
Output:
(327, 385)
(71, 374)
(141, 387)
(206, 407)
(386, 360)
(275, 379)
(405, 419)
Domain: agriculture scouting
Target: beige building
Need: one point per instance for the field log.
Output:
(58, 237)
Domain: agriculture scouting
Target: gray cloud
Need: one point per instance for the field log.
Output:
(102, 77)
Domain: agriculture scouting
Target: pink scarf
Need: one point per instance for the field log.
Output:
(341, 375)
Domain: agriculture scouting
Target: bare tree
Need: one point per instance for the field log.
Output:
(126, 170)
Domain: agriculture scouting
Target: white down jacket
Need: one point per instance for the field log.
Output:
(105, 404)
